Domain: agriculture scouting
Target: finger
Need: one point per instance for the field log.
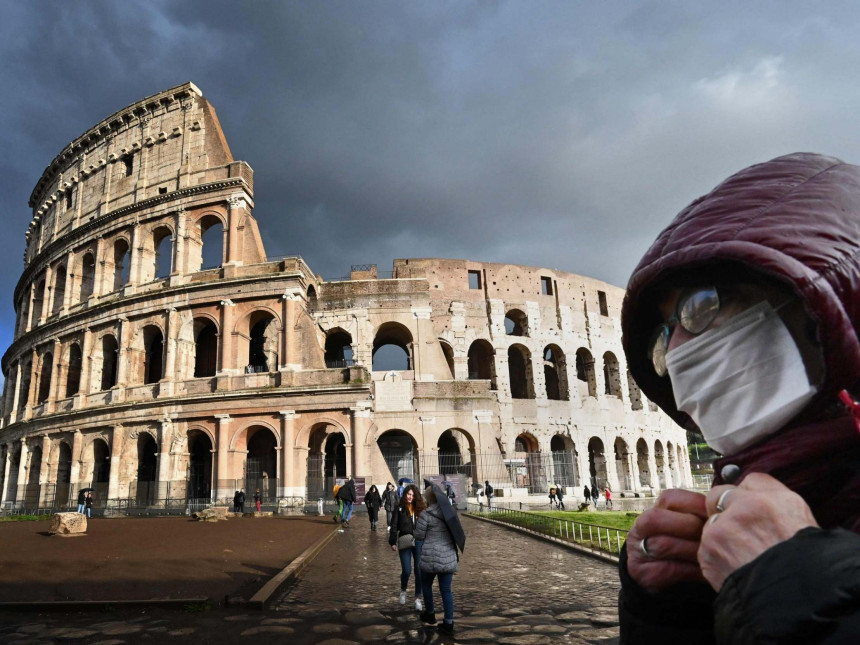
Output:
(657, 575)
(762, 482)
(665, 547)
(659, 521)
(684, 501)
(720, 495)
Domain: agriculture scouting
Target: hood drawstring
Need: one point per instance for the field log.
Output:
(853, 407)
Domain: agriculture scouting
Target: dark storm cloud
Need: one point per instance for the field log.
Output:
(558, 134)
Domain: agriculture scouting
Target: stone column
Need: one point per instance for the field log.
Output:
(99, 270)
(611, 470)
(70, 287)
(349, 470)
(135, 256)
(48, 296)
(86, 366)
(44, 468)
(180, 264)
(227, 365)
(32, 392)
(223, 454)
(117, 436)
(23, 469)
(75, 473)
(287, 474)
(16, 394)
(165, 436)
(171, 325)
(360, 422)
(56, 392)
(31, 314)
(7, 466)
(123, 352)
(654, 478)
(236, 212)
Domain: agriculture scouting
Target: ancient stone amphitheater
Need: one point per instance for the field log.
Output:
(163, 359)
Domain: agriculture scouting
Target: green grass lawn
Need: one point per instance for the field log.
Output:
(613, 519)
(24, 518)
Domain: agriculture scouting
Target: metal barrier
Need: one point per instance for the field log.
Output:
(594, 536)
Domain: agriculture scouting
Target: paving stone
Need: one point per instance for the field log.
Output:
(475, 636)
(513, 612)
(280, 621)
(574, 617)
(268, 629)
(485, 621)
(540, 619)
(121, 629)
(549, 629)
(371, 633)
(604, 620)
(364, 617)
(525, 639)
(328, 628)
(513, 629)
(158, 629)
(68, 632)
(240, 617)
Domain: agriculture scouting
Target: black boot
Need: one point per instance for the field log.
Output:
(428, 618)
(445, 629)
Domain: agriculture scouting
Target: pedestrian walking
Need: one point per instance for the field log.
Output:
(439, 560)
(401, 537)
(88, 503)
(258, 500)
(373, 501)
(236, 502)
(241, 500)
(488, 493)
(82, 499)
(339, 512)
(587, 494)
(559, 493)
(348, 496)
(450, 494)
(595, 496)
(390, 500)
(608, 494)
(552, 501)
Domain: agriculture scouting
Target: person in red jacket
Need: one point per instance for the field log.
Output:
(741, 323)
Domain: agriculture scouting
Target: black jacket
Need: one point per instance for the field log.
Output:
(372, 500)
(401, 524)
(817, 574)
(347, 492)
(82, 496)
(390, 498)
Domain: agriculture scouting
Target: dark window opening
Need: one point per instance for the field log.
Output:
(73, 378)
(338, 349)
(45, 378)
(109, 362)
(153, 361)
(162, 190)
(121, 264)
(70, 199)
(520, 372)
(206, 350)
(546, 286)
(601, 300)
(392, 348)
(516, 323)
(261, 347)
(474, 279)
(129, 165)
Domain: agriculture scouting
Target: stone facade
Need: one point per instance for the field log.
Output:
(137, 370)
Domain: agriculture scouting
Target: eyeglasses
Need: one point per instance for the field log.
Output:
(695, 311)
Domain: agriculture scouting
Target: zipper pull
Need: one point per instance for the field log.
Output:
(852, 405)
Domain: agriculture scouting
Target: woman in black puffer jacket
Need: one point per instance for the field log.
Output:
(438, 559)
(403, 522)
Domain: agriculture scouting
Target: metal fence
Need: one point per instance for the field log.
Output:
(593, 536)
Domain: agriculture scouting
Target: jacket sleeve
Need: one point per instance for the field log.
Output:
(421, 527)
(803, 590)
(681, 614)
(395, 521)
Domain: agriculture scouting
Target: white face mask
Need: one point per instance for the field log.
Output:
(740, 381)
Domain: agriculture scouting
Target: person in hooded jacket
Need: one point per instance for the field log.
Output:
(439, 559)
(373, 501)
(347, 495)
(389, 500)
(741, 323)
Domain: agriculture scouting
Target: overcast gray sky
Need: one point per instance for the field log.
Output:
(555, 134)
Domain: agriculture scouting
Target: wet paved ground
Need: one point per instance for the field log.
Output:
(511, 589)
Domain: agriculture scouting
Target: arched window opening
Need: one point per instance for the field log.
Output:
(585, 373)
(520, 370)
(212, 238)
(59, 289)
(261, 464)
(623, 467)
(263, 343)
(162, 242)
(597, 464)
(64, 474)
(73, 376)
(101, 463)
(563, 461)
(338, 349)
(23, 316)
(45, 377)
(121, 264)
(199, 465)
(450, 457)
(88, 277)
(400, 454)
(38, 303)
(642, 463)
(326, 461)
(392, 348)
(660, 464)
(205, 348)
(109, 362)
(24, 394)
(527, 464)
(448, 351)
(516, 323)
(144, 489)
(635, 392)
(481, 364)
(555, 374)
(611, 375)
(312, 299)
(153, 359)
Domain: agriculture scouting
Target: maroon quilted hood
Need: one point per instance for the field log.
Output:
(794, 219)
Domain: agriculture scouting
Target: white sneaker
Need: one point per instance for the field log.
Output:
(419, 604)
(402, 597)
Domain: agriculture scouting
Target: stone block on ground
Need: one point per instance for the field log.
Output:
(69, 524)
(213, 514)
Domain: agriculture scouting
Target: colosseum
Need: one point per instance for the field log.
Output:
(161, 358)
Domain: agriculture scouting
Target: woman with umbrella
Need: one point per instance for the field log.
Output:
(441, 532)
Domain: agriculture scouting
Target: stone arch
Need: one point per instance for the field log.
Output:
(74, 364)
(157, 253)
(200, 455)
(311, 298)
(597, 463)
(144, 489)
(611, 375)
(555, 373)
(338, 348)
(95, 465)
(327, 458)
(105, 362)
(206, 251)
(400, 452)
(623, 467)
(258, 333)
(585, 373)
(38, 302)
(304, 436)
(642, 463)
(261, 459)
(481, 362)
(660, 463)
(59, 289)
(564, 461)
(120, 265)
(205, 346)
(528, 465)
(448, 352)
(671, 467)
(24, 394)
(86, 284)
(62, 474)
(46, 362)
(32, 485)
(520, 372)
(635, 392)
(239, 441)
(392, 348)
(516, 323)
(152, 365)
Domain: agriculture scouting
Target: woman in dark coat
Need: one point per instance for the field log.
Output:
(390, 500)
(373, 501)
(406, 514)
(438, 560)
(741, 322)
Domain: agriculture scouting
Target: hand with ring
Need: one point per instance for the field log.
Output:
(747, 520)
(663, 542)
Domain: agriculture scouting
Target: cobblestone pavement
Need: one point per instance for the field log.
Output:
(511, 589)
